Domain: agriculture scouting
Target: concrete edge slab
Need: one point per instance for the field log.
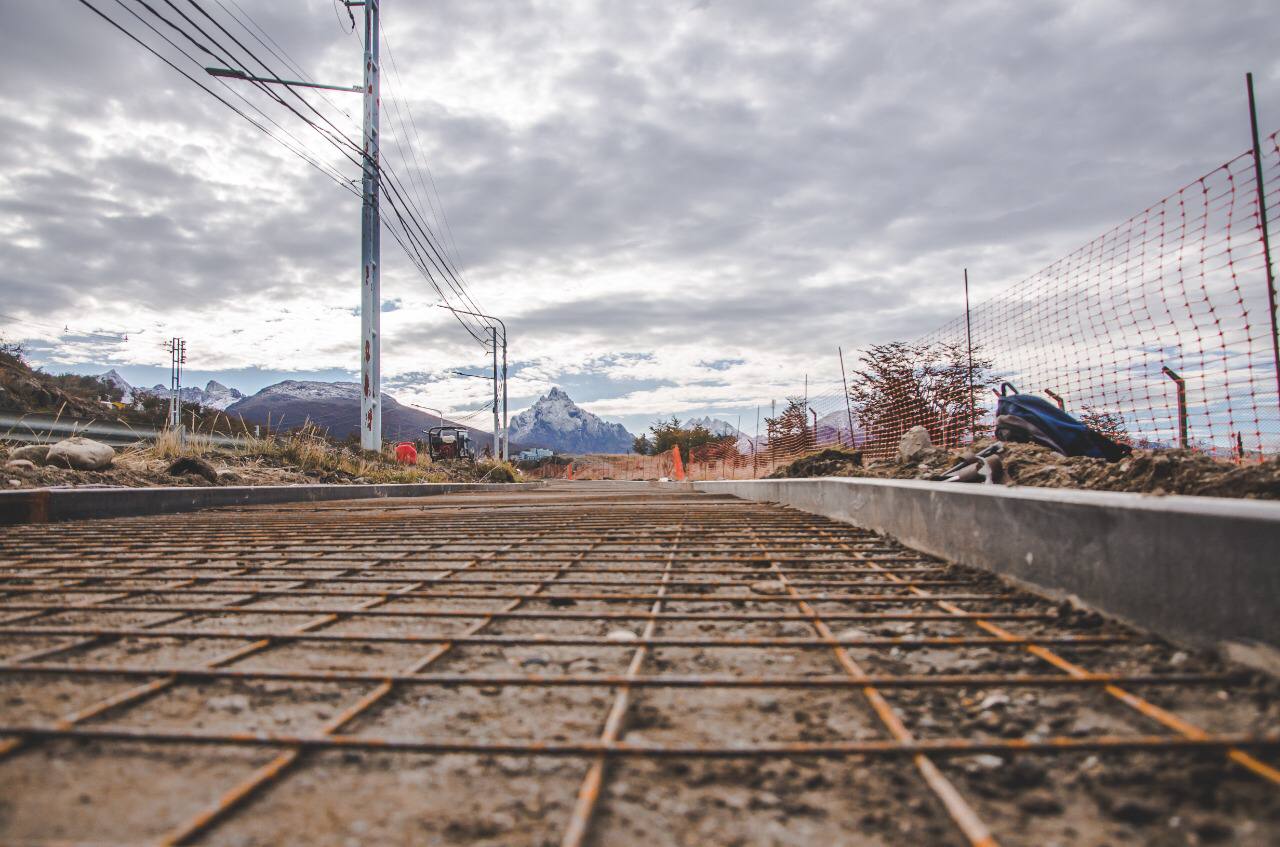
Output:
(46, 505)
(1201, 571)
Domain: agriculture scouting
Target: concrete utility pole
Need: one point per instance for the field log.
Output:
(506, 439)
(497, 448)
(370, 245)
(370, 222)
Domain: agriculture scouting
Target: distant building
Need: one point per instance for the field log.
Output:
(533, 455)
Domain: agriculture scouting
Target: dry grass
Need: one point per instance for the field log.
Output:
(172, 443)
(308, 451)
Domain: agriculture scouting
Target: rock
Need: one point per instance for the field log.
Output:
(228, 478)
(1252, 654)
(193, 465)
(993, 701)
(20, 465)
(769, 586)
(35, 453)
(1040, 803)
(914, 442)
(987, 761)
(767, 704)
(621, 635)
(233, 703)
(81, 454)
(15, 483)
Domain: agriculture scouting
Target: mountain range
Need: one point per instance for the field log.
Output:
(332, 406)
(214, 395)
(559, 424)
(717, 426)
(554, 422)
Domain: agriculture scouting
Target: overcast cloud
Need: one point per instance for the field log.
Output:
(678, 207)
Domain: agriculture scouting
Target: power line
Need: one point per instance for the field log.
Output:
(303, 155)
(443, 266)
(414, 235)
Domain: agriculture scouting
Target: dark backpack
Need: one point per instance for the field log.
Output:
(1025, 417)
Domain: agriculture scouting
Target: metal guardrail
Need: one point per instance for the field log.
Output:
(43, 429)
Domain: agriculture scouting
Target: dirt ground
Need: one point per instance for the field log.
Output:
(570, 549)
(138, 467)
(1146, 471)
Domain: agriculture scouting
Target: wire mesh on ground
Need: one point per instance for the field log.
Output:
(540, 660)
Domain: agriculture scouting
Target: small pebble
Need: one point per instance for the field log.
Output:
(621, 635)
(769, 586)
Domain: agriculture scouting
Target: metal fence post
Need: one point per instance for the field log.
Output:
(1262, 223)
(1182, 403)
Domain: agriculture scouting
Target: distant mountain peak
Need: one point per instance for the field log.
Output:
(557, 423)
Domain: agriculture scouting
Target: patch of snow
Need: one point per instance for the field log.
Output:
(311, 390)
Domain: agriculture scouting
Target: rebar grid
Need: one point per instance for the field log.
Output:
(362, 575)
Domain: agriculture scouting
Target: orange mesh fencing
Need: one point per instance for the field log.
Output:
(1159, 333)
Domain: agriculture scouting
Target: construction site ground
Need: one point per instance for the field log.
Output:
(590, 663)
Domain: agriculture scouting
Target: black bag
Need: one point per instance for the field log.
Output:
(1027, 418)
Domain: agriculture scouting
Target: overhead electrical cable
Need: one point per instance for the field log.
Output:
(414, 235)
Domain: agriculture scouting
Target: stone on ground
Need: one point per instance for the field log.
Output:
(35, 453)
(193, 465)
(81, 454)
(914, 442)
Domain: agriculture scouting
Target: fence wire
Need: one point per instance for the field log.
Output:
(1158, 332)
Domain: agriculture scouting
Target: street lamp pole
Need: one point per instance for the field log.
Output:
(506, 439)
(370, 223)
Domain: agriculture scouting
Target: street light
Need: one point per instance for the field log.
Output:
(506, 436)
(370, 217)
(233, 73)
(439, 414)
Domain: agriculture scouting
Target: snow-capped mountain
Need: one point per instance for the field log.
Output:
(713, 425)
(112, 377)
(216, 395)
(833, 428)
(719, 427)
(557, 423)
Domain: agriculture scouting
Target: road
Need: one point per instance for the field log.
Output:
(592, 663)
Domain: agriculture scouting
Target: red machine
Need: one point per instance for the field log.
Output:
(406, 453)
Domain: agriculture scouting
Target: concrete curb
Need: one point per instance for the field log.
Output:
(1200, 570)
(46, 505)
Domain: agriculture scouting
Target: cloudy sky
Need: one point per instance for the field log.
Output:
(678, 207)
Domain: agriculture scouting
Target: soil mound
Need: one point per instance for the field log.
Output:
(1145, 472)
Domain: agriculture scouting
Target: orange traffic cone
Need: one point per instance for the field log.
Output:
(678, 469)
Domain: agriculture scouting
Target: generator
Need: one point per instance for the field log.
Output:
(450, 442)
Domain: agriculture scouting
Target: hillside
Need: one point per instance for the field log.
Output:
(335, 407)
